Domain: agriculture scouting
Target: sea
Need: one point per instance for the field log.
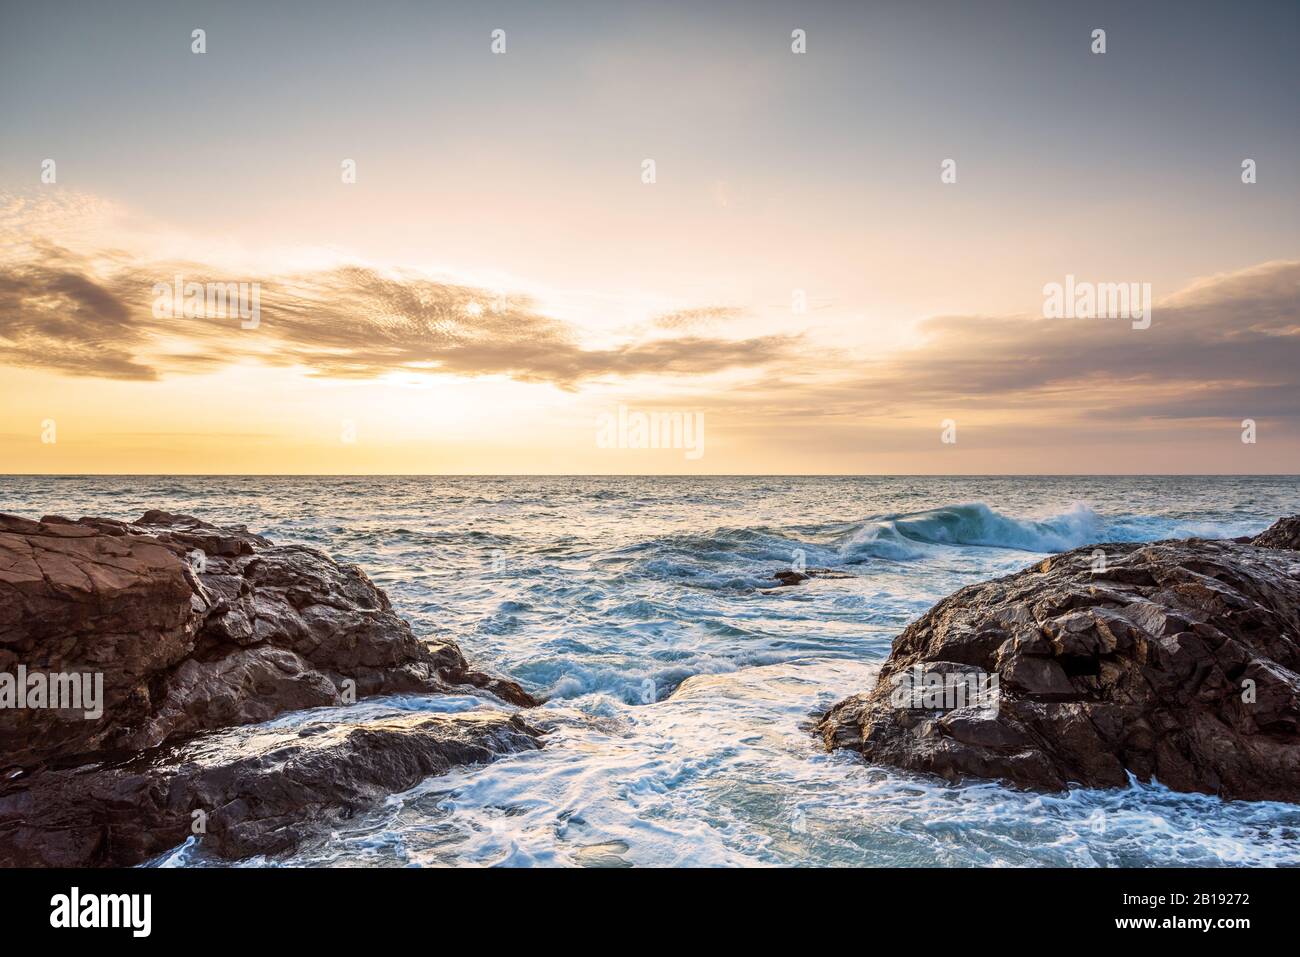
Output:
(680, 685)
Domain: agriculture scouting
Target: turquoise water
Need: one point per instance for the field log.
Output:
(680, 686)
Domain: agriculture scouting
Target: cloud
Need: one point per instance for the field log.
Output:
(89, 314)
(53, 314)
(1227, 346)
(695, 318)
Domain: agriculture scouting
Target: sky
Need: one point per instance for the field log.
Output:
(838, 266)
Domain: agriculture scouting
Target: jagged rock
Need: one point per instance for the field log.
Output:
(1284, 533)
(1176, 660)
(257, 791)
(196, 627)
(192, 628)
(73, 599)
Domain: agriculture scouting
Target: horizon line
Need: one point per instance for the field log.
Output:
(661, 475)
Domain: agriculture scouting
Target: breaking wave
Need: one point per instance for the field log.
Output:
(745, 557)
(975, 523)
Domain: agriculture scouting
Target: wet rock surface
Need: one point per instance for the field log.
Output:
(188, 628)
(1177, 661)
(791, 577)
(247, 791)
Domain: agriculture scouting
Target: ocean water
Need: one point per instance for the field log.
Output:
(681, 686)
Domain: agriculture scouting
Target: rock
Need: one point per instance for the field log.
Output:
(790, 577)
(74, 599)
(196, 627)
(251, 790)
(181, 629)
(1284, 533)
(1177, 661)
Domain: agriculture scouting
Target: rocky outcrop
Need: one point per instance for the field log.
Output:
(1177, 661)
(195, 627)
(244, 792)
(170, 626)
(1284, 534)
(791, 577)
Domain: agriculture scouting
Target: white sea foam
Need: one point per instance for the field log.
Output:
(725, 773)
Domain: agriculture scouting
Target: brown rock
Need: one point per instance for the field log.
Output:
(1177, 660)
(192, 628)
(1284, 533)
(195, 627)
(790, 577)
(75, 600)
